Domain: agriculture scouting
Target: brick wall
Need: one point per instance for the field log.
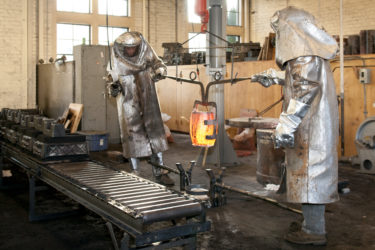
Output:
(32, 51)
(19, 29)
(358, 15)
(162, 23)
(13, 50)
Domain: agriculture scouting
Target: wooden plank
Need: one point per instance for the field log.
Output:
(271, 48)
(260, 53)
(265, 52)
(251, 95)
(72, 117)
(354, 98)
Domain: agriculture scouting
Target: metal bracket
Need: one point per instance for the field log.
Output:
(112, 233)
(185, 176)
(32, 204)
(1, 169)
(216, 192)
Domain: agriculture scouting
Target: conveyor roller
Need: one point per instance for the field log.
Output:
(137, 196)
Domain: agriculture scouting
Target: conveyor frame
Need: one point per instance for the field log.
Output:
(135, 231)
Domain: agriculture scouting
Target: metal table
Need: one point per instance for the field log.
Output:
(255, 122)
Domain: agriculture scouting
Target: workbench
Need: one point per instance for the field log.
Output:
(254, 122)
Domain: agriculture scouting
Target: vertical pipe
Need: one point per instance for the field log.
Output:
(28, 79)
(246, 11)
(145, 19)
(1, 169)
(94, 37)
(342, 80)
(112, 233)
(176, 20)
(217, 63)
(215, 27)
(41, 29)
(31, 198)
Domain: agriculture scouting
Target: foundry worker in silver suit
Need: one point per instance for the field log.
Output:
(308, 124)
(133, 72)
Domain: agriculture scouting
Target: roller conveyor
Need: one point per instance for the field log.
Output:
(130, 202)
(106, 183)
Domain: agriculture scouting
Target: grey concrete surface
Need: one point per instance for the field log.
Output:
(243, 223)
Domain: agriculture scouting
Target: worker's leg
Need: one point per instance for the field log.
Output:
(158, 158)
(135, 165)
(313, 218)
(312, 229)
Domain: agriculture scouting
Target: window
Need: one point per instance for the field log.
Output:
(233, 12)
(198, 43)
(69, 35)
(233, 38)
(80, 6)
(192, 17)
(113, 33)
(115, 7)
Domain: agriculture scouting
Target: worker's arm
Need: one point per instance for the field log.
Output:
(158, 68)
(112, 80)
(269, 77)
(306, 88)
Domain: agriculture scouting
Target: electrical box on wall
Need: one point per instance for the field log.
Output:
(365, 76)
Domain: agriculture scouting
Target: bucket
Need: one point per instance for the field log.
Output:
(269, 159)
(97, 140)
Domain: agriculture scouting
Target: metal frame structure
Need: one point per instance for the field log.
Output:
(137, 231)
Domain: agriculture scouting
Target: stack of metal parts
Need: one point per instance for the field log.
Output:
(39, 135)
(198, 57)
(244, 52)
(175, 54)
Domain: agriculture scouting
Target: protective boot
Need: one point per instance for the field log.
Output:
(166, 180)
(303, 238)
(312, 229)
(161, 175)
(295, 226)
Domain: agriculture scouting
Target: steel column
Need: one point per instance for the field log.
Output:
(222, 153)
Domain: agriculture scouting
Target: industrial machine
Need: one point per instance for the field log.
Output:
(175, 54)
(365, 144)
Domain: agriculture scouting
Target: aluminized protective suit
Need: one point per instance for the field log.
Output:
(308, 125)
(141, 125)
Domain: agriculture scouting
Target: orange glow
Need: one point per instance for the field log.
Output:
(199, 131)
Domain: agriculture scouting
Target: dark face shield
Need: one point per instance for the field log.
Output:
(130, 51)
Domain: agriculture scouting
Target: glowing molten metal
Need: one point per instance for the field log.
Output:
(203, 128)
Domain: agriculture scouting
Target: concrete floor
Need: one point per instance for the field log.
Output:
(243, 223)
